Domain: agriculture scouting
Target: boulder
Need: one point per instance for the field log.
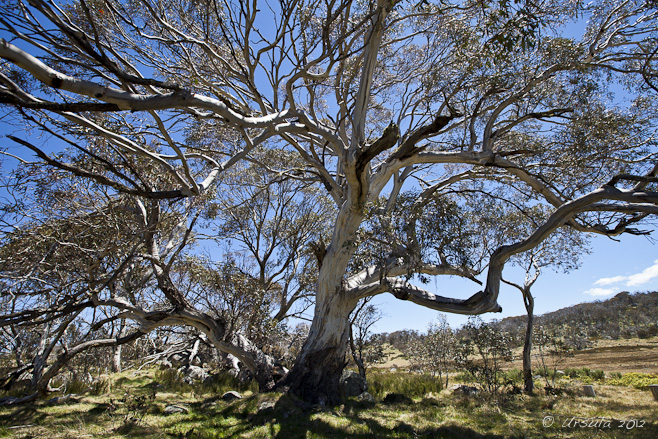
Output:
(192, 374)
(463, 389)
(589, 391)
(266, 407)
(175, 408)
(178, 360)
(352, 384)
(231, 395)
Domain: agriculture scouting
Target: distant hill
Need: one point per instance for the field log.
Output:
(626, 315)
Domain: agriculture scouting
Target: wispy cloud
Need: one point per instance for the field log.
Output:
(600, 291)
(633, 280)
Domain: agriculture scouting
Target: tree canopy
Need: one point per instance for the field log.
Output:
(432, 138)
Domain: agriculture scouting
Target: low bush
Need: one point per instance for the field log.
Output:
(513, 376)
(585, 374)
(408, 384)
(634, 379)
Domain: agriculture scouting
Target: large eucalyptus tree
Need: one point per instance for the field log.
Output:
(419, 119)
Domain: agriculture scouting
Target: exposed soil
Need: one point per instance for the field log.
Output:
(629, 355)
(627, 358)
(626, 355)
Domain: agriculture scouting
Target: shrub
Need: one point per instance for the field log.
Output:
(408, 384)
(597, 374)
(483, 350)
(634, 379)
(585, 374)
(513, 376)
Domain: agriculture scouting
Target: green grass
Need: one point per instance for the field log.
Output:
(412, 385)
(128, 409)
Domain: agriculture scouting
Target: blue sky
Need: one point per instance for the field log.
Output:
(628, 265)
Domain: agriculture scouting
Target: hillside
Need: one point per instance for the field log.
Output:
(626, 315)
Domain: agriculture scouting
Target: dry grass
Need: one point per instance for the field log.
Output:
(441, 415)
(435, 415)
(627, 355)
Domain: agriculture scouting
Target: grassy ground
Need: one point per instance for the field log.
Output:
(133, 406)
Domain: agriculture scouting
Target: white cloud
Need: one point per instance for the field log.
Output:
(610, 280)
(601, 291)
(647, 275)
(634, 280)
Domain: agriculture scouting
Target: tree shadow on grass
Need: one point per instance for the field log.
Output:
(362, 426)
(24, 414)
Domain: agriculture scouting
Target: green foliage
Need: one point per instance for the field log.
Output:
(416, 228)
(131, 408)
(483, 350)
(634, 379)
(408, 384)
(434, 353)
(585, 374)
(172, 380)
(513, 376)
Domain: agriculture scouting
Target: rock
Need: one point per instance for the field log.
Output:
(464, 390)
(559, 373)
(231, 395)
(193, 374)
(367, 397)
(352, 384)
(266, 407)
(589, 391)
(178, 360)
(175, 408)
(397, 398)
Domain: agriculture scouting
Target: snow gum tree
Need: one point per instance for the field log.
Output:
(418, 119)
